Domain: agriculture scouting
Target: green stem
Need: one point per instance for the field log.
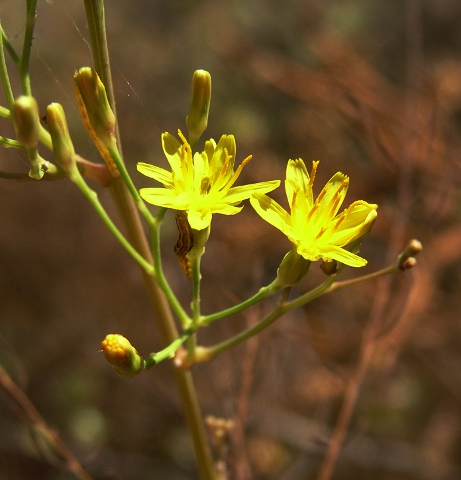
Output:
(177, 308)
(207, 353)
(45, 138)
(365, 278)
(116, 157)
(6, 43)
(195, 304)
(130, 215)
(4, 112)
(263, 293)
(5, 79)
(26, 47)
(9, 143)
(168, 352)
(92, 197)
(196, 282)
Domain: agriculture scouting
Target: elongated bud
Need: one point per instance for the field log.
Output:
(122, 355)
(26, 119)
(91, 92)
(197, 120)
(63, 147)
(96, 113)
(293, 269)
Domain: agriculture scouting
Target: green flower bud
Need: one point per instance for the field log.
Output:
(122, 355)
(197, 120)
(292, 269)
(96, 113)
(91, 95)
(26, 121)
(63, 147)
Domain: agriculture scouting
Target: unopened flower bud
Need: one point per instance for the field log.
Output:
(63, 148)
(26, 121)
(94, 104)
(122, 355)
(413, 248)
(96, 113)
(292, 269)
(410, 262)
(197, 120)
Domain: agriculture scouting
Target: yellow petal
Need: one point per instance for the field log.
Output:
(160, 174)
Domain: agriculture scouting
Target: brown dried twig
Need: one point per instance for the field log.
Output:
(37, 424)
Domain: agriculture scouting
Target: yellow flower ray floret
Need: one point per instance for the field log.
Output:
(314, 226)
(200, 183)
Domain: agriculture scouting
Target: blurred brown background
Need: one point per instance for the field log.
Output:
(368, 87)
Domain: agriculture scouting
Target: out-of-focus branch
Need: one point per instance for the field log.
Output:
(37, 423)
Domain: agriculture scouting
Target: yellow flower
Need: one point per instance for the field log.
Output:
(314, 227)
(200, 184)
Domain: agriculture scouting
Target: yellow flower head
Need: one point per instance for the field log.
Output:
(314, 227)
(202, 183)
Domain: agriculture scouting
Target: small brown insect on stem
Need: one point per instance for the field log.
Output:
(184, 244)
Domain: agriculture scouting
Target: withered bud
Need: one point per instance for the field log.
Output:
(94, 104)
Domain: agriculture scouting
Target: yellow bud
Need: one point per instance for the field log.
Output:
(122, 355)
(197, 120)
(26, 121)
(293, 269)
(63, 147)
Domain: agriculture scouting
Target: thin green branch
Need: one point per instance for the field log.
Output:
(5, 77)
(96, 20)
(263, 293)
(196, 282)
(207, 353)
(365, 278)
(168, 352)
(92, 197)
(10, 143)
(5, 113)
(116, 157)
(27, 46)
(177, 308)
(6, 43)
